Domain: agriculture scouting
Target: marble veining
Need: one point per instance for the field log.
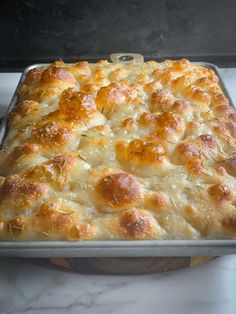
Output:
(27, 287)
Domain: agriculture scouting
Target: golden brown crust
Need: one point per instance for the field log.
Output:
(158, 202)
(119, 151)
(82, 231)
(170, 126)
(220, 193)
(183, 108)
(142, 157)
(197, 152)
(53, 218)
(115, 94)
(119, 191)
(52, 134)
(54, 74)
(75, 104)
(137, 225)
(161, 99)
(27, 107)
(23, 150)
(229, 223)
(230, 165)
(58, 171)
(43, 84)
(18, 194)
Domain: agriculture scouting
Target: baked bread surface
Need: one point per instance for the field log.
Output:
(119, 151)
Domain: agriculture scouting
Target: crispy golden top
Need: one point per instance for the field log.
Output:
(119, 151)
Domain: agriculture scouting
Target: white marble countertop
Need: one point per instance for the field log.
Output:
(29, 288)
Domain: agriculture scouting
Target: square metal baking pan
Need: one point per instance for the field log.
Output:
(113, 248)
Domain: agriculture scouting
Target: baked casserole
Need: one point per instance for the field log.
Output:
(110, 151)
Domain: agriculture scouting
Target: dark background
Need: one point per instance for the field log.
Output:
(40, 31)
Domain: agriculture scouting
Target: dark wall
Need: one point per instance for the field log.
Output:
(32, 31)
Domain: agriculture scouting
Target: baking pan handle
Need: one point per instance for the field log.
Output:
(126, 57)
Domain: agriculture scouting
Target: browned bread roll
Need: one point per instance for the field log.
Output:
(119, 151)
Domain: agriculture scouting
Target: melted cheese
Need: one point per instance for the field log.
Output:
(119, 151)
